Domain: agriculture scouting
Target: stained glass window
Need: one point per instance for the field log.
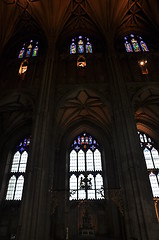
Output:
(22, 51)
(151, 155)
(85, 171)
(35, 50)
(88, 46)
(134, 43)
(29, 49)
(128, 47)
(17, 172)
(73, 47)
(80, 45)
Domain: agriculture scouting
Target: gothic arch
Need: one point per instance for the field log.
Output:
(145, 104)
(83, 105)
(61, 170)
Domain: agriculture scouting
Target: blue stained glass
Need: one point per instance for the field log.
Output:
(21, 149)
(79, 140)
(93, 147)
(28, 53)
(24, 145)
(77, 148)
(144, 46)
(128, 47)
(90, 140)
(75, 142)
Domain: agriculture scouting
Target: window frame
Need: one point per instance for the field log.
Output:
(85, 172)
(17, 174)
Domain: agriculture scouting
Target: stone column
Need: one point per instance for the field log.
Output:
(138, 203)
(34, 223)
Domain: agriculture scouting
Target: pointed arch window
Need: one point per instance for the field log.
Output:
(17, 171)
(151, 155)
(85, 169)
(135, 43)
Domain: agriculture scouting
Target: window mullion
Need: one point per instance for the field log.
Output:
(15, 187)
(152, 158)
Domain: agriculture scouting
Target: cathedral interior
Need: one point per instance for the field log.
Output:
(79, 119)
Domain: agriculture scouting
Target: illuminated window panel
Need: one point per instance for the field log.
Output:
(99, 185)
(148, 158)
(15, 163)
(89, 160)
(128, 47)
(73, 161)
(73, 187)
(19, 188)
(144, 46)
(22, 51)
(23, 162)
(72, 47)
(11, 188)
(81, 161)
(91, 194)
(35, 50)
(80, 45)
(135, 45)
(154, 185)
(88, 46)
(97, 160)
(155, 156)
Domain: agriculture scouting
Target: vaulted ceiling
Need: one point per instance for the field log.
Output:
(53, 17)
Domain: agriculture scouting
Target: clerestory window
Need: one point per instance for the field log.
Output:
(80, 45)
(85, 169)
(135, 43)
